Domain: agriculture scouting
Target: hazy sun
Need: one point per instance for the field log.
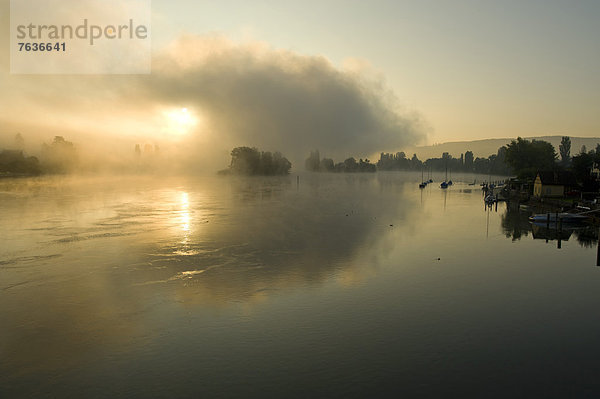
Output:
(179, 121)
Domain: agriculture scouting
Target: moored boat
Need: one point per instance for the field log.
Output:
(565, 217)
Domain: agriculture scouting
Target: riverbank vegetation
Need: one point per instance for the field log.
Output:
(521, 158)
(60, 156)
(314, 163)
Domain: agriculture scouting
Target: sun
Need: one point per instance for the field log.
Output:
(180, 121)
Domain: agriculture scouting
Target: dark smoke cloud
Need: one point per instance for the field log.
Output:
(245, 94)
(254, 95)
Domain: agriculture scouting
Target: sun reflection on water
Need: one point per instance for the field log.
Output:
(185, 212)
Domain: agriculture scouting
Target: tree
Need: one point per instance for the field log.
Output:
(565, 150)
(267, 164)
(498, 162)
(327, 165)
(468, 161)
(366, 166)
(281, 164)
(527, 157)
(350, 165)
(415, 163)
(245, 161)
(13, 161)
(19, 142)
(249, 161)
(581, 166)
(396, 161)
(60, 156)
(313, 162)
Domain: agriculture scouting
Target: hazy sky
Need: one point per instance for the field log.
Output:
(401, 72)
(473, 69)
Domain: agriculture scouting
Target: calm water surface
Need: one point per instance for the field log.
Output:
(341, 286)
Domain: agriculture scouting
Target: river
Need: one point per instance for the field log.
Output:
(336, 285)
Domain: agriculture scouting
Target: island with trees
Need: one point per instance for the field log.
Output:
(249, 161)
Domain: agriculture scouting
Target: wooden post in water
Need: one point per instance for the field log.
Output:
(598, 253)
(297, 181)
(547, 226)
(559, 232)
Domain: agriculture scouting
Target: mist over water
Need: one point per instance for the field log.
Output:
(341, 285)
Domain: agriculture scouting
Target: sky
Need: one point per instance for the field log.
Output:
(345, 77)
(473, 69)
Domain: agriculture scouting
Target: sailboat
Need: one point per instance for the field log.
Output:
(445, 182)
(422, 184)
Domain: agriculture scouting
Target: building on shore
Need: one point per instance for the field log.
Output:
(553, 184)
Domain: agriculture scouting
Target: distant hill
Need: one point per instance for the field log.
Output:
(485, 148)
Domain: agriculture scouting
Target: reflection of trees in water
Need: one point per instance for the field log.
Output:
(515, 223)
(587, 237)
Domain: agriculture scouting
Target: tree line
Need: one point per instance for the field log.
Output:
(314, 163)
(521, 158)
(60, 156)
(494, 164)
(527, 157)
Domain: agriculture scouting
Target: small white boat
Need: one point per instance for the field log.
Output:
(489, 199)
(552, 217)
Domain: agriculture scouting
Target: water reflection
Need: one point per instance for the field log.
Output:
(268, 237)
(134, 285)
(227, 239)
(185, 214)
(92, 260)
(587, 237)
(515, 224)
